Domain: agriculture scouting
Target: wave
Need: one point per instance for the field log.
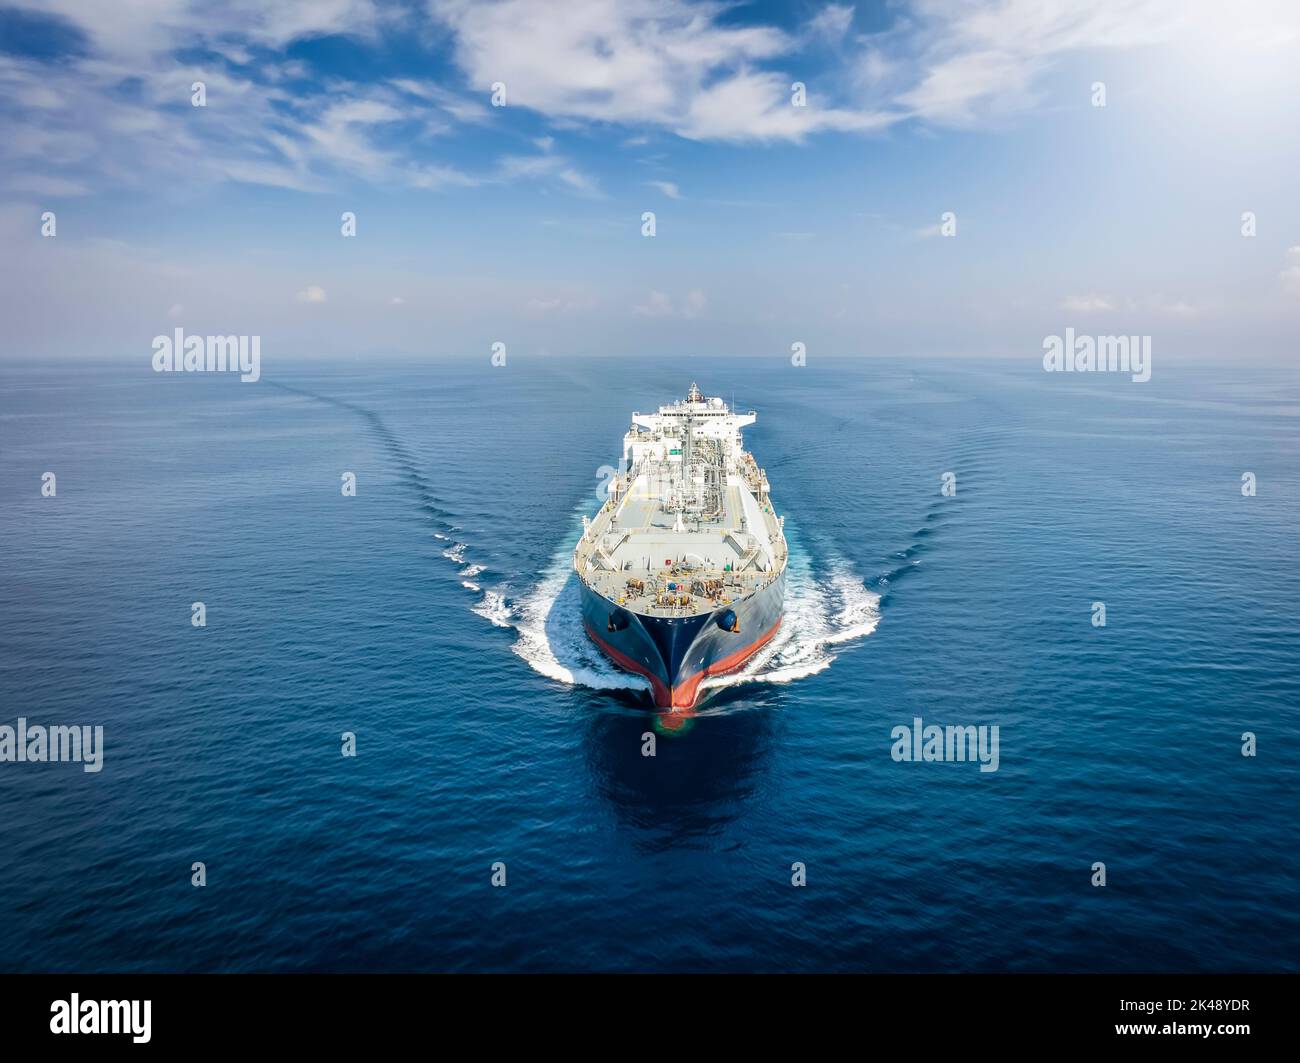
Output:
(494, 609)
(413, 476)
(548, 620)
(822, 613)
(399, 454)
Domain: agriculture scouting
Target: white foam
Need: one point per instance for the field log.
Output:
(820, 613)
(548, 619)
(494, 609)
(456, 553)
(470, 571)
(551, 637)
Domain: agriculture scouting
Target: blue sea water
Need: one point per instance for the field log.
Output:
(433, 616)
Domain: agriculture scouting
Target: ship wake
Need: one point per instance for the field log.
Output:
(823, 613)
(827, 606)
(548, 621)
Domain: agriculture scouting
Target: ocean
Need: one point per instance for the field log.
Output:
(433, 616)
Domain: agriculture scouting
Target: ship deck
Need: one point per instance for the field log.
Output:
(616, 587)
(632, 554)
(647, 513)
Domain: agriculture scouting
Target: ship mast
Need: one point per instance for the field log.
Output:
(705, 456)
(688, 438)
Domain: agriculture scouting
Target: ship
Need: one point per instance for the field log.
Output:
(682, 570)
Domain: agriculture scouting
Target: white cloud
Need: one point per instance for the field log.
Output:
(142, 28)
(756, 105)
(1164, 306)
(609, 60)
(679, 66)
(456, 105)
(874, 67)
(69, 128)
(974, 60)
(668, 188)
(313, 293)
(952, 87)
(1087, 304)
(689, 67)
(512, 167)
(665, 63)
(1173, 307)
(831, 23)
(657, 305)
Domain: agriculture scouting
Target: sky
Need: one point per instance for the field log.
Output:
(499, 157)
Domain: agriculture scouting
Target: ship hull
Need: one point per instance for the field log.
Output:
(676, 654)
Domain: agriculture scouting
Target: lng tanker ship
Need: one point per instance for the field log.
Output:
(682, 571)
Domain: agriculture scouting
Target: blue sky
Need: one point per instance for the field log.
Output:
(775, 223)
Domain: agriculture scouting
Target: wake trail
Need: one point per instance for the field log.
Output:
(397, 450)
(412, 474)
(823, 613)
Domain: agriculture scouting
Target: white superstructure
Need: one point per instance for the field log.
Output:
(688, 498)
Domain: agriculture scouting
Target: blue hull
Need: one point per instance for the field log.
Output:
(676, 653)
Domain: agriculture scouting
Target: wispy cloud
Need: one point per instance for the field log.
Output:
(664, 63)
(757, 105)
(830, 24)
(657, 304)
(679, 66)
(118, 111)
(556, 167)
(113, 107)
(1160, 305)
(1087, 304)
(968, 62)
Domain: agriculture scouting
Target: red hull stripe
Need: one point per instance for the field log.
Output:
(685, 695)
(663, 696)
